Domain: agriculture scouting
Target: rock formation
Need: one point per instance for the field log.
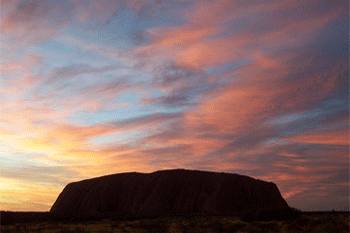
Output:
(168, 192)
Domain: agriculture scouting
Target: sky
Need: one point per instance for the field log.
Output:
(96, 87)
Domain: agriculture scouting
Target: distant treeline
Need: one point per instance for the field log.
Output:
(9, 217)
(327, 212)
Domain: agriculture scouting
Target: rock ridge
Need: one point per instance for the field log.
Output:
(168, 192)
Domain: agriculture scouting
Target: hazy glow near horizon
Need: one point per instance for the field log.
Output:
(90, 88)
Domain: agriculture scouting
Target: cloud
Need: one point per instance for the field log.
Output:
(43, 175)
(58, 138)
(300, 170)
(31, 198)
(145, 120)
(248, 102)
(182, 86)
(69, 72)
(209, 39)
(28, 187)
(31, 22)
(339, 137)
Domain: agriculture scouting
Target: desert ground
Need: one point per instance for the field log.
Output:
(307, 222)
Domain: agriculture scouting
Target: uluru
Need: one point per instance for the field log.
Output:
(168, 192)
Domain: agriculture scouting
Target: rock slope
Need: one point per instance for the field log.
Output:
(168, 192)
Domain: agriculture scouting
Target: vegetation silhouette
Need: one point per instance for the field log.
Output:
(307, 222)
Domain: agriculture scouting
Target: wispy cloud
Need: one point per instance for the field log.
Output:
(28, 22)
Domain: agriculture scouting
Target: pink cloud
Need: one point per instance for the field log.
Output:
(333, 137)
(210, 36)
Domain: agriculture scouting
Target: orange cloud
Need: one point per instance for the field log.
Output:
(29, 198)
(333, 137)
(53, 138)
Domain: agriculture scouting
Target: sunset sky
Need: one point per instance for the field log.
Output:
(97, 87)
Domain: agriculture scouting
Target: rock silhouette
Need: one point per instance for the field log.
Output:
(168, 192)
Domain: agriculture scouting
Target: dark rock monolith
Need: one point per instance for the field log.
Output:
(168, 192)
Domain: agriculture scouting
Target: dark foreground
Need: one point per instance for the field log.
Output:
(306, 222)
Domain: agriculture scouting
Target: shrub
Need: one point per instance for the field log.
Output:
(268, 214)
(152, 225)
(76, 230)
(328, 223)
